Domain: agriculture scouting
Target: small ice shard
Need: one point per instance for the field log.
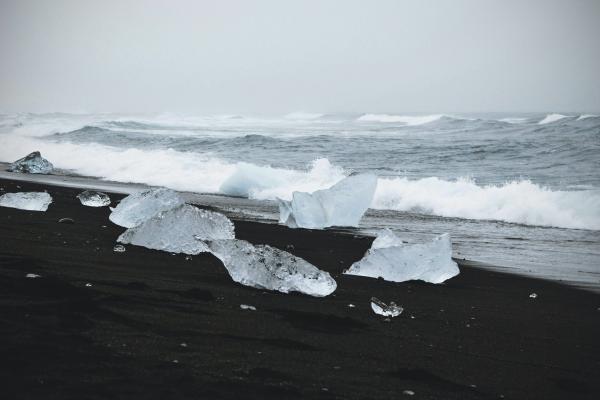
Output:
(265, 267)
(533, 296)
(391, 310)
(119, 248)
(247, 307)
(91, 198)
(351, 305)
(32, 163)
(183, 344)
(138, 207)
(66, 220)
(180, 230)
(408, 392)
(390, 259)
(32, 201)
(33, 276)
(88, 285)
(343, 204)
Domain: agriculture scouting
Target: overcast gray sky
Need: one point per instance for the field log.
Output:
(280, 56)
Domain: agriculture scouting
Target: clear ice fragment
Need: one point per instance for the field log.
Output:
(247, 307)
(138, 207)
(387, 310)
(265, 267)
(392, 260)
(119, 248)
(180, 230)
(343, 204)
(533, 296)
(92, 198)
(32, 201)
(33, 163)
(33, 276)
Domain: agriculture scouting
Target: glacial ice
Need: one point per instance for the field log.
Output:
(32, 201)
(392, 260)
(91, 198)
(33, 163)
(180, 230)
(265, 267)
(387, 310)
(343, 204)
(138, 207)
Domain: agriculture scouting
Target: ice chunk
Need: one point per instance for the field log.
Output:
(32, 163)
(387, 310)
(533, 296)
(180, 230)
(343, 204)
(119, 248)
(138, 207)
(265, 267)
(391, 260)
(32, 201)
(247, 307)
(33, 276)
(93, 199)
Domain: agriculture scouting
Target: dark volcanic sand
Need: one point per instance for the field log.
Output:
(477, 336)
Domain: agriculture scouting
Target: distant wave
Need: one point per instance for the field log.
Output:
(587, 116)
(550, 118)
(404, 119)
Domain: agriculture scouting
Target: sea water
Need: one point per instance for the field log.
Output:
(519, 191)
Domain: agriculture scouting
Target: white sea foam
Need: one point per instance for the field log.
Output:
(303, 116)
(550, 118)
(410, 120)
(586, 116)
(518, 201)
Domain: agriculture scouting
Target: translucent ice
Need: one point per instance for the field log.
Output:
(32, 201)
(343, 204)
(392, 260)
(387, 310)
(265, 267)
(32, 163)
(180, 230)
(138, 207)
(93, 199)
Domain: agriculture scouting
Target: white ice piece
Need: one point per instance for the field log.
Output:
(392, 260)
(32, 201)
(265, 267)
(343, 204)
(92, 198)
(119, 248)
(32, 163)
(180, 230)
(247, 307)
(138, 207)
(387, 310)
(33, 276)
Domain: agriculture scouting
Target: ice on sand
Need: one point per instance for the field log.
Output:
(343, 204)
(180, 230)
(91, 198)
(387, 310)
(138, 207)
(265, 267)
(394, 261)
(32, 201)
(33, 163)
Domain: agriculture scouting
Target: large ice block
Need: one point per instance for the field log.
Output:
(343, 204)
(32, 201)
(392, 260)
(33, 163)
(138, 207)
(92, 198)
(180, 230)
(265, 267)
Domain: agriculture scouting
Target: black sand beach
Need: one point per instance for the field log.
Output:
(147, 324)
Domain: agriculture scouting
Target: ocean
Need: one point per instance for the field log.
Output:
(520, 192)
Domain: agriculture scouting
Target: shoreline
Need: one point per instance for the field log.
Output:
(477, 336)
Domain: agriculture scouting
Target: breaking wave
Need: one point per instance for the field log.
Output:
(550, 118)
(410, 120)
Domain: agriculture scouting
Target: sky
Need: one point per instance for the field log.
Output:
(315, 56)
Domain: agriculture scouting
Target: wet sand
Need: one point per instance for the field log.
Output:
(147, 324)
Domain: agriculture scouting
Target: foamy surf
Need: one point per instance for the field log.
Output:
(410, 120)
